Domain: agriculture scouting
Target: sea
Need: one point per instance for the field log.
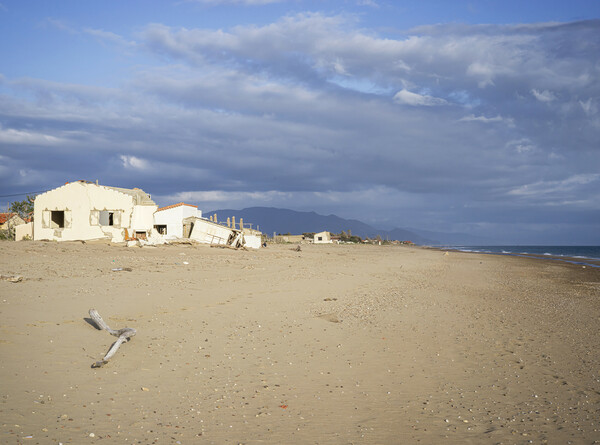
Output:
(582, 255)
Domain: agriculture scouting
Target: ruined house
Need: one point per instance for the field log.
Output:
(84, 210)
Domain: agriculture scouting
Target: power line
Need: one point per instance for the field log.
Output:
(22, 194)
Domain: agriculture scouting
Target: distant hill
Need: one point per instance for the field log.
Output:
(272, 220)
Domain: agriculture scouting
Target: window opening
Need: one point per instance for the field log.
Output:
(107, 218)
(161, 228)
(58, 219)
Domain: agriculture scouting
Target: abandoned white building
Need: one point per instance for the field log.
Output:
(322, 238)
(84, 210)
(168, 221)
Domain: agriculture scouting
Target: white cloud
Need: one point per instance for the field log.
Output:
(60, 25)
(228, 198)
(370, 3)
(135, 163)
(588, 106)
(488, 120)
(109, 37)
(484, 72)
(521, 146)
(555, 188)
(20, 137)
(409, 98)
(543, 96)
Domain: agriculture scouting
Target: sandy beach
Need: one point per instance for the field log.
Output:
(334, 344)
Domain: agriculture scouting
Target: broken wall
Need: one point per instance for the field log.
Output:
(207, 232)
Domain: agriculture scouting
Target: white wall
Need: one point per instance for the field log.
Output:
(24, 231)
(142, 218)
(252, 241)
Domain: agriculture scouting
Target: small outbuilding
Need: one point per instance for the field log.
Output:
(168, 221)
(84, 210)
(322, 238)
(10, 220)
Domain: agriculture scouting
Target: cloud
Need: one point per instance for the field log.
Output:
(216, 198)
(409, 98)
(488, 120)
(110, 37)
(589, 106)
(61, 25)
(135, 163)
(521, 146)
(27, 138)
(570, 190)
(543, 96)
(370, 3)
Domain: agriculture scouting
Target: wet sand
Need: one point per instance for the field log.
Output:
(329, 345)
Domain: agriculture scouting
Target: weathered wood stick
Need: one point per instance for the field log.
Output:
(124, 335)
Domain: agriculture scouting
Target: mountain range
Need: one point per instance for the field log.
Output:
(271, 220)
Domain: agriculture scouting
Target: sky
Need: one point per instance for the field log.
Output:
(480, 117)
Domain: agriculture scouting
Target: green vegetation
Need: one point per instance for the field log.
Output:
(23, 208)
(347, 237)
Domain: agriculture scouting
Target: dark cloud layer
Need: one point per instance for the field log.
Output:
(489, 129)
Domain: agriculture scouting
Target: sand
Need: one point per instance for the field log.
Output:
(335, 344)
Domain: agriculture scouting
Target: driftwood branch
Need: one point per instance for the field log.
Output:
(124, 335)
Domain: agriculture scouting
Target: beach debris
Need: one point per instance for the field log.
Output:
(330, 317)
(122, 269)
(124, 335)
(297, 248)
(11, 278)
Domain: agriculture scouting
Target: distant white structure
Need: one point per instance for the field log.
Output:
(322, 238)
(84, 210)
(168, 221)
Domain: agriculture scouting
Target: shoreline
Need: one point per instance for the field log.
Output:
(575, 260)
(330, 344)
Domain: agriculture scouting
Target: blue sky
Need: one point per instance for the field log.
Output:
(465, 116)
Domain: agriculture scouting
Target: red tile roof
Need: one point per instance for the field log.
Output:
(172, 206)
(5, 217)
